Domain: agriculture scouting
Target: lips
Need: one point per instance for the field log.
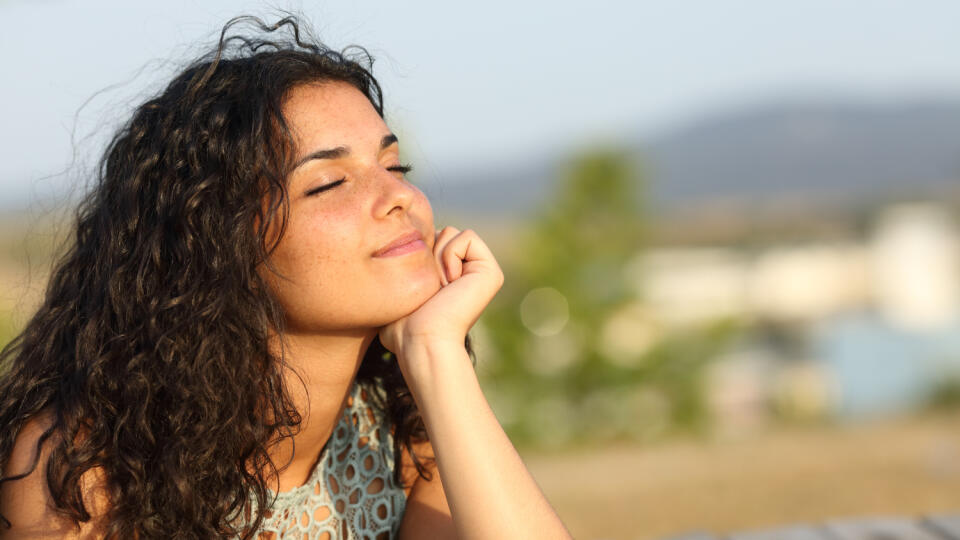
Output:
(402, 244)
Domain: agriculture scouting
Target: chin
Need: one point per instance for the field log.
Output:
(409, 296)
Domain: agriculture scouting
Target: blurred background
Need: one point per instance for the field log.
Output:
(729, 229)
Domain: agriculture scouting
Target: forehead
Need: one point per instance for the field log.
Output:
(331, 114)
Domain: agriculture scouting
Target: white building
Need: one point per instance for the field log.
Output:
(916, 267)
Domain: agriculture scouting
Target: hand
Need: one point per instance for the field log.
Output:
(469, 277)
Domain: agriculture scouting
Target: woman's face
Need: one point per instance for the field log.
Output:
(346, 206)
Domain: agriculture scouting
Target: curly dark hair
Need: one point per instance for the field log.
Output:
(150, 351)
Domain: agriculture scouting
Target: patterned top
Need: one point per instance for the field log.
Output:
(351, 493)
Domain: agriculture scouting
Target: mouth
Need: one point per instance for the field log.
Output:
(406, 243)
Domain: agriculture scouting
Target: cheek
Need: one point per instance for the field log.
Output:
(424, 203)
(326, 259)
(422, 212)
(315, 252)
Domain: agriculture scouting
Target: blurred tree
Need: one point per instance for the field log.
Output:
(945, 394)
(552, 381)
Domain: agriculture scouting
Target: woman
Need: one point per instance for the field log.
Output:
(258, 332)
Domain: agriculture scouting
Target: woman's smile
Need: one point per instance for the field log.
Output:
(407, 243)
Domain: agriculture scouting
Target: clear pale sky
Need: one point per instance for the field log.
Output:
(480, 81)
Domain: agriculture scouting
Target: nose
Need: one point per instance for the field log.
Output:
(395, 193)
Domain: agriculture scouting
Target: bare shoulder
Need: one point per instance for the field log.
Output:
(427, 514)
(26, 502)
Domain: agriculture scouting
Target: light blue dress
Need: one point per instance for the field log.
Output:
(351, 493)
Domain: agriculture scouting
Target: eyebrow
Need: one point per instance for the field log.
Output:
(341, 151)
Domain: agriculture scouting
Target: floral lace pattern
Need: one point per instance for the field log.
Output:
(351, 493)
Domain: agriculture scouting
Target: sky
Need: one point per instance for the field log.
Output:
(472, 83)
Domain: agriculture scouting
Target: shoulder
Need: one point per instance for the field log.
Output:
(26, 501)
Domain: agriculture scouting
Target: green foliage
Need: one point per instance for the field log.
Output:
(552, 383)
(581, 240)
(945, 396)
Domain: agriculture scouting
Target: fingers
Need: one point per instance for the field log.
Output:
(459, 252)
(451, 258)
(443, 238)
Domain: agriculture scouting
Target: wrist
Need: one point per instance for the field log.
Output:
(430, 345)
(426, 363)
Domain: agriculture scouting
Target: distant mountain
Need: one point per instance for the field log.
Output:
(763, 155)
(832, 149)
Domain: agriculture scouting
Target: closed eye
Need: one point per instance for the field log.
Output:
(324, 187)
(402, 169)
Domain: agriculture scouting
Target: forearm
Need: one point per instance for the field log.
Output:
(489, 490)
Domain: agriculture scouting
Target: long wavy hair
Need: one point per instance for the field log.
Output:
(149, 353)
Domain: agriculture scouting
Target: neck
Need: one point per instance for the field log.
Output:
(320, 370)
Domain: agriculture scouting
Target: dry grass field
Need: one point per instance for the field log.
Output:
(904, 467)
